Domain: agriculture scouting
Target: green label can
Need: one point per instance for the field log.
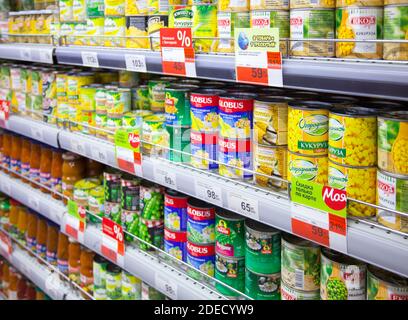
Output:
(229, 234)
(95, 8)
(131, 287)
(262, 286)
(113, 282)
(140, 98)
(118, 101)
(87, 97)
(99, 274)
(263, 248)
(154, 135)
(157, 94)
(100, 100)
(177, 104)
(204, 25)
(230, 271)
(396, 28)
(179, 144)
(96, 202)
(181, 17)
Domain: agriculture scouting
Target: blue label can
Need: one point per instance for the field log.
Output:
(235, 155)
(175, 244)
(201, 257)
(204, 150)
(175, 211)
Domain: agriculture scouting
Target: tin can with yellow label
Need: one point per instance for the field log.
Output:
(269, 4)
(114, 7)
(310, 168)
(136, 7)
(115, 31)
(136, 32)
(270, 161)
(233, 5)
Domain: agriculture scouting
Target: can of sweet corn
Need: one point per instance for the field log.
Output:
(135, 7)
(235, 155)
(227, 21)
(396, 28)
(154, 134)
(269, 4)
(157, 94)
(294, 4)
(79, 10)
(385, 285)
(270, 161)
(233, 5)
(272, 19)
(353, 136)
(118, 101)
(308, 126)
(115, 31)
(360, 3)
(308, 24)
(204, 150)
(359, 23)
(391, 191)
(393, 142)
(340, 101)
(310, 168)
(66, 10)
(154, 24)
(180, 17)
(177, 104)
(114, 7)
(388, 2)
(95, 30)
(271, 120)
(360, 183)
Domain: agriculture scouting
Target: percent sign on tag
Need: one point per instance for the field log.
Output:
(178, 57)
(113, 245)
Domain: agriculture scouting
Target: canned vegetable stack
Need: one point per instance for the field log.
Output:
(130, 204)
(229, 252)
(200, 237)
(300, 269)
(137, 18)
(175, 224)
(112, 190)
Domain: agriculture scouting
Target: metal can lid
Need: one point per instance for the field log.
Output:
(182, 87)
(292, 239)
(196, 203)
(310, 104)
(209, 91)
(396, 115)
(303, 95)
(260, 227)
(339, 100)
(113, 268)
(228, 215)
(388, 277)
(340, 257)
(278, 99)
(175, 194)
(239, 95)
(355, 111)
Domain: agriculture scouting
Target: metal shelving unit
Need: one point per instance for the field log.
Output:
(41, 53)
(379, 79)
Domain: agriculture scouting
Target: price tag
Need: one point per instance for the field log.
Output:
(135, 63)
(127, 147)
(166, 286)
(75, 221)
(78, 147)
(99, 154)
(90, 59)
(34, 203)
(247, 206)
(6, 246)
(257, 56)
(6, 187)
(25, 54)
(37, 133)
(46, 55)
(165, 177)
(208, 192)
(178, 56)
(4, 112)
(113, 245)
(53, 286)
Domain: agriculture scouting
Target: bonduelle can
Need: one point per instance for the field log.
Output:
(179, 143)
(288, 293)
(263, 248)
(204, 109)
(177, 104)
(229, 234)
(200, 221)
(384, 285)
(175, 211)
(204, 25)
(154, 134)
(140, 97)
(310, 168)
(231, 271)
(204, 150)
(201, 257)
(175, 244)
(262, 286)
(235, 155)
(157, 94)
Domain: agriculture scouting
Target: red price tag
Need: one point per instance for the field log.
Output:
(337, 224)
(4, 112)
(252, 75)
(113, 243)
(310, 232)
(178, 56)
(6, 246)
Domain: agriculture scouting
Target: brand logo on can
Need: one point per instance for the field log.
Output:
(296, 21)
(200, 214)
(134, 140)
(303, 169)
(365, 20)
(336, 130)
(232, 104)
(200, 250)
(222, 228)
(385, 187)
(337, 179)
(202, 101)
(315, 125)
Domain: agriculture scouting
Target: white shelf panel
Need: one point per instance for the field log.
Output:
(40, 53)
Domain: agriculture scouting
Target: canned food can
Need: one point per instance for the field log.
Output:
(136, 32)
(131, 287)
(128, 79)
(180, 17)
(226, 23)
(36, 81)
(320, 24)
(342, 277)
(87, 97)
(304, 95)
(263, 247)
(87, 122)
(204, 110)
(233, 5)
(359, 23)
(179, 143)
(154, 135)
(114, 7)
(262, 286)
(310, 168)
(152, 232)
(391, 189)
(270, 161)
(231, 271)
(353, 136)
(99, 267)
(269, 4)
(154, 24)
(95, 8)
(395, 28)
(134, 119)
(111, 184)
(79, 10)
(158, 6)
(118, 101)
(140, 98)
(96, 202)
(151, 201)
(100, 100)
(74, 83)
(300, 263)
(113, 282)
(392, 142)
(201, 257)
(204, 25)
(101, 120)
(235, 116)
(150, 293)
(200, 222)
(359, 182)
(360, 3)
(308, 126)
(384, 285)
(235, 155)
(135, 7)
(115, 31)
(177, 104)
(340, 101)
(157, 94)
(15, 77)
(175, 244)
(130, 193)
(229, 234)
(289, 293)
(294, 4)
(175, 211)
(204, 150)
(82, 189)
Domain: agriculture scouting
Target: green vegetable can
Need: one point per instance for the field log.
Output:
(113, 282)
(288, 293)
(384, 285)
(131, 287)
(300, 263)
(179, 143)
(151, 231)
(229, 234)
(140, 98)
(230, 271)
(151, 201)
(100, 265)
(156, 94)
(396, 28)
(96, 201)
(342, 277)
(177, 104)
(263, 247)
(262, 286)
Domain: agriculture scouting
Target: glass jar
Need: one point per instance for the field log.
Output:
(31, 236)
(94, 169)
(13, 216)
(52, 243)
(22, 225)
(6, 150)
(6, 278)
(12, 288)
(86, 271)
(25, 158)
(45, 168)
(41, 237)
(56, 172)
(35, 158)
(74, 255)
(15, 156)
(73, 170)
(62, 253)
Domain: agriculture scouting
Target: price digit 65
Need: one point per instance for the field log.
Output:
(245, 206)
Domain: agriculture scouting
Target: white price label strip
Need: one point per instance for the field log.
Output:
(211, 193)
(5, 186)
(245, 205)
(46, 55)
(37, 133)
(53, 286)
(165, 285)
(135, 63)
(78, 146)
(90, 59)
(165, 177)
(25, 54)
(34, 203)
(99, 154)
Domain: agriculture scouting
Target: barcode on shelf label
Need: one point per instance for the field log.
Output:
(299, 278)
(78, 146)
(245, 205)
(46, 56)
(99, 154)
(90, 59)
(165, 177)
(165, 285)
(209, 192)
(36, 133)
(135, 63)
(25, 54)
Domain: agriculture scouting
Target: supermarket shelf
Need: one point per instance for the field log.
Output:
(36, 130)
(32, 198)
(373, 245)
(40, 53)
(44, 278)
(31, 12)
(379, 79)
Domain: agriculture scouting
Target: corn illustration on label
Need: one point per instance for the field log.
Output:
(66, 10)
(269, 161)
(396, 28)
(134, 7)
(136, 26)
(392, 145)
(268, 4)
(391, 191)
(312, 4)
(359, 182)
(181, 17)
(114, 7)
(383, 285)
(204, 111)
(312, 23)
(359, 24)
(353, 140)
(204, 150)
(307, 168)
(235, 155)
(233, 5)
